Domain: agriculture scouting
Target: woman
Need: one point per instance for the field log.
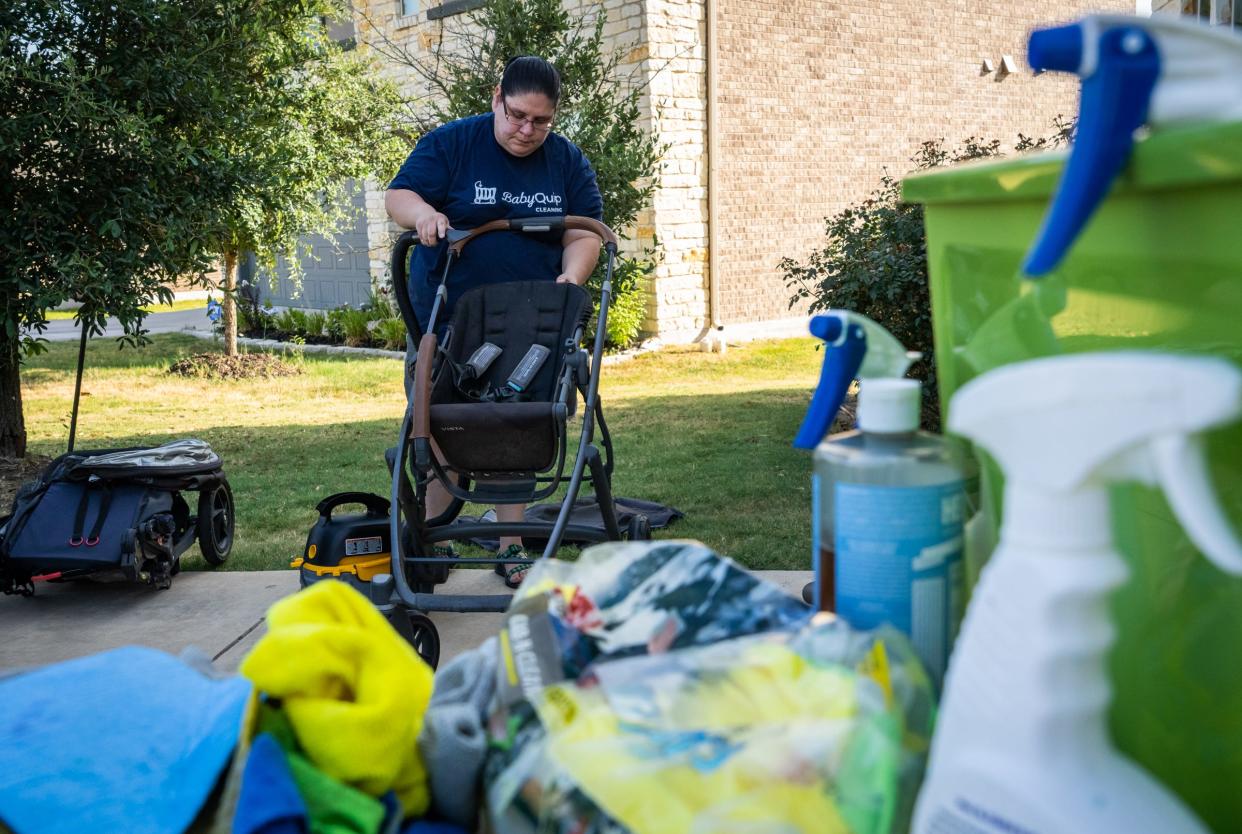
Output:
(507, 163)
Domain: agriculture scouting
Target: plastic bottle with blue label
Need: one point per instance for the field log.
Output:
(888, 499)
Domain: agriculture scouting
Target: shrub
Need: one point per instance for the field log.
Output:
(628, 309)
(356, 326)
(874, 261)
(255, 320)
(335, 324)
(292, 322)
(390, 333)
(316, 323)
(380, 305)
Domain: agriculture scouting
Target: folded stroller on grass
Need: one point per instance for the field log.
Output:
(117, 511)
(494, 396)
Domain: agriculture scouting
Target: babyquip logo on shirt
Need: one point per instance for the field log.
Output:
(540, 202)
(484, 196)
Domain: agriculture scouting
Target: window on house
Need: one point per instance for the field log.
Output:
(1219, 12)
(409, 7)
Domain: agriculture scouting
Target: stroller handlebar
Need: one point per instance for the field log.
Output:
(535, 224)
(458, 238)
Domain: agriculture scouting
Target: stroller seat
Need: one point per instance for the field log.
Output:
(488, 436)
(480, 424)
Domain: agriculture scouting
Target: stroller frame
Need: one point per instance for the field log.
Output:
(414, 575)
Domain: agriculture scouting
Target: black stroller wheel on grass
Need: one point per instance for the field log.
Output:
(639, 529)
(421, 633)
(215, 522)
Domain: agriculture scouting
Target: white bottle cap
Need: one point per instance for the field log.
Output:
(889, 406)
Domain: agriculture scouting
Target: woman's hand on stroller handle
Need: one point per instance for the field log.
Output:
(431, 225)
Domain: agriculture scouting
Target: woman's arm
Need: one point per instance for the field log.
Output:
(581, 251)
(411, 211)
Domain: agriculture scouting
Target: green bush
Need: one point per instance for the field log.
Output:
(628, 309)
(874, 260)
(380, 305)
(292, 322)
(316, 324)
(255, 320)
(335, 325)
(390, 333)
(355, 326)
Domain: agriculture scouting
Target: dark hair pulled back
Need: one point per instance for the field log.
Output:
(531, 74)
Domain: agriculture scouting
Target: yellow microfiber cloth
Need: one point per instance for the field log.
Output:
(353, 689)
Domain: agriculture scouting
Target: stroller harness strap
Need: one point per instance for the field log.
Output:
(514, 388)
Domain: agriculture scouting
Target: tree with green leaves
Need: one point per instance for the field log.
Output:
(142, 138)
(313, 122)
(110, 190)
(598, 111)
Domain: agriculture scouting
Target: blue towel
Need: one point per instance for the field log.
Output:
(269, 801)
(427, 827)
(130, 740)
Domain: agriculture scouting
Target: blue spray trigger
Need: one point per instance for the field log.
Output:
(845, 345)
(1119, 68)
(829, 327)
(1058, 48)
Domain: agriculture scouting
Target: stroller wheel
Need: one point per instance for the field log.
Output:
(215, 522)
(639, 529)
(420, 632)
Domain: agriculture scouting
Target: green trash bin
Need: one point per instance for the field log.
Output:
(1159, 266)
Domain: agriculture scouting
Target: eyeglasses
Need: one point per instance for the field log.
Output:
(540, 123)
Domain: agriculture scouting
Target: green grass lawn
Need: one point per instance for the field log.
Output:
(182, 304)
(706, 433)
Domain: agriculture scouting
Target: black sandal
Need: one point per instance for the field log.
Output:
(513, 574)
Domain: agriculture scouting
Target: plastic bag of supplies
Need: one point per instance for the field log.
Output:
(661, 689)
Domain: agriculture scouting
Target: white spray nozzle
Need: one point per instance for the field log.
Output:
(1068, 422)
(1200, 70)
(886, 357)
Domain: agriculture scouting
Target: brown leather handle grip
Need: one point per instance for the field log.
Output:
(572, 221)
(590, 224)
(421, 426)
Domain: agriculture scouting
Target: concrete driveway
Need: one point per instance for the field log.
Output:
(221, 613)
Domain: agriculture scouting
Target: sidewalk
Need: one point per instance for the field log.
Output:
(219, 612)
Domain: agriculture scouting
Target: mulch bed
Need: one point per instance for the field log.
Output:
(241, 366)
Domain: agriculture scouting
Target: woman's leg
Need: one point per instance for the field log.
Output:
(510, 514)
(513, 572)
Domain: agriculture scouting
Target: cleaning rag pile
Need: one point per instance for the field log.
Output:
(353, 690)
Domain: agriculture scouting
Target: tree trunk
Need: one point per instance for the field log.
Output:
(12, 422)
(229, 304)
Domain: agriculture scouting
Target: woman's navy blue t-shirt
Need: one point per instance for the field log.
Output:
(465, 174)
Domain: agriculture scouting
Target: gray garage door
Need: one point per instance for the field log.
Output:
(338, 273)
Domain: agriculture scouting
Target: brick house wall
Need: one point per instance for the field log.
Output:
(816, 99)
(819, 97)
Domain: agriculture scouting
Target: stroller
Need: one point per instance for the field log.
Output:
(495, 398)
(117, 511)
